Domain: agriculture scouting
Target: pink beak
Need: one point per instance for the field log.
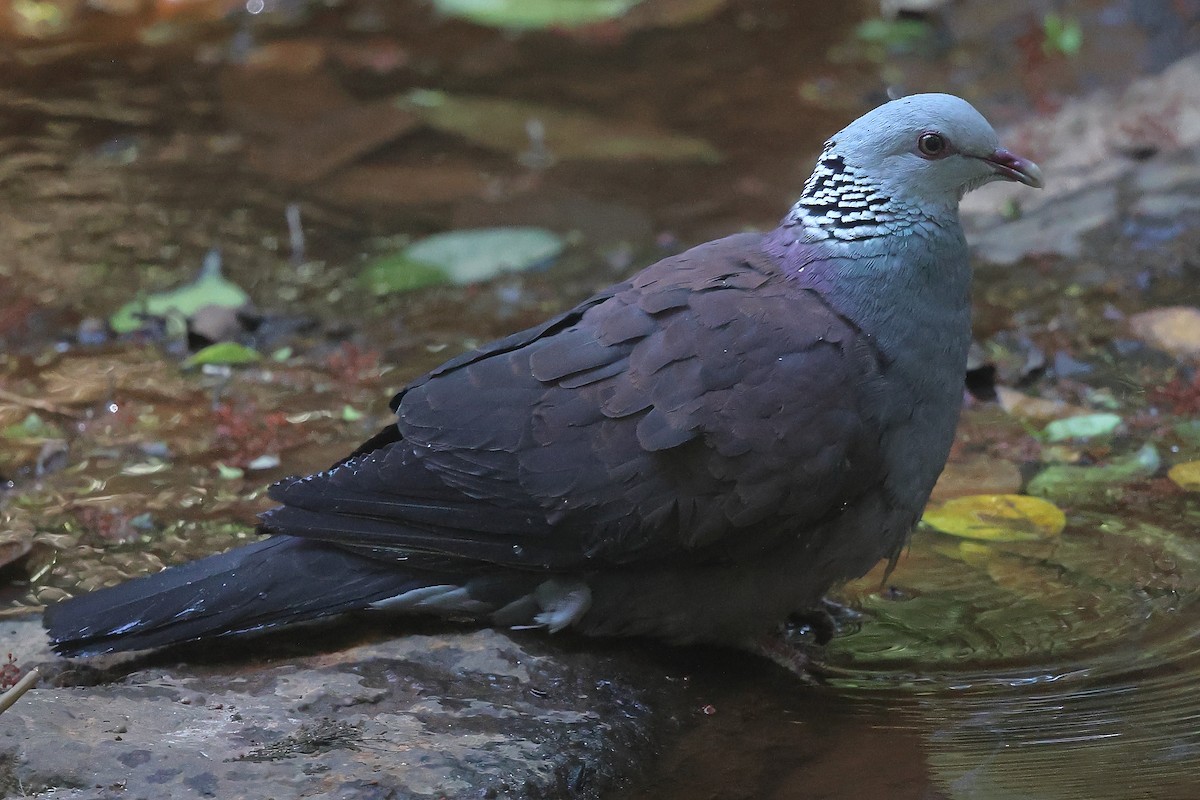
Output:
(1015, 168)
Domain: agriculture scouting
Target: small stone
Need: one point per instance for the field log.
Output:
(1175, 329)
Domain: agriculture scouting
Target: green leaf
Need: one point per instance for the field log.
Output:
(32, 427)
(531, 14)
(1069, 481)
(399, 273)
(562, 134)
(223, 353)
(466, 256)
(210, 289)
(229, 473)
(1085, 426)
(997, 518)
(1062, 35)
(891, 33)
(1189, 431)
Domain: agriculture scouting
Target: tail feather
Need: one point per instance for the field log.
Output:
(272, 582)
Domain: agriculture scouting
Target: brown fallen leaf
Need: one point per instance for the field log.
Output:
(16, 535)
(977, 475)
(273, 102)
(1039, 409)
(30, 402)
(670, 13)
(331, 140)
(299, 56)
(88, 379)
(1175, 329)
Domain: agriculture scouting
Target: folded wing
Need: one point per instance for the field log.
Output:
(672, 417)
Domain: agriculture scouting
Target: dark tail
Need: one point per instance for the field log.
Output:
(278, 580)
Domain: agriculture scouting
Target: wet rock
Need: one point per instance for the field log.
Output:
(1143, 138)
(1067, 366)
(447, 715)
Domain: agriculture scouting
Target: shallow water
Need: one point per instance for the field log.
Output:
(1062, 667)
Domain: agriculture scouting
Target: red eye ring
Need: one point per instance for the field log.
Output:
(932, 145)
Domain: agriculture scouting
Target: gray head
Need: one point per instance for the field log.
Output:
(929, 148)
(907, 160)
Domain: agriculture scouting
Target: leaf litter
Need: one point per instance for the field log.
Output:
(532, 130)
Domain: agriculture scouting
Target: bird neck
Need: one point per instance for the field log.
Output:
(842, 203)
(904, 290)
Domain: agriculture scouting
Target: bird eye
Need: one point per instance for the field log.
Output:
(932, 145)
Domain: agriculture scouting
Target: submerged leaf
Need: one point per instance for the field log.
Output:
(210, 289)
(898, 33)
(545, 133)
(1061, 35)
(1022, 405)
(1186, 475)
(1189, 431)
(265, 461)
(223, 353)
(229, 473)
(466, 256)
(1065, 480)
(1086, 426)
(399, 273)
(32, 427)
(997, 517)
(532, 14)
(86, 378)
(977, 475)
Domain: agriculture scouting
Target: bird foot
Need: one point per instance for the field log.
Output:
(798, 644)
(796, 658)
(821, 622)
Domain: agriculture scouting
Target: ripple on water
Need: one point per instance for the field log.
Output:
(1062, 668)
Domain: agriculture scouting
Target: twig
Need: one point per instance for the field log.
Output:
(33, 402)
(20, 611)
(22, 686)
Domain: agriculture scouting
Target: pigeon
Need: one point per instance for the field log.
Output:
(695, 454)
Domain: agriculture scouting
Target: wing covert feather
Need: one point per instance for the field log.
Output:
(704, 410)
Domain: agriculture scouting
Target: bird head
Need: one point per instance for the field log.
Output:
(928, 148)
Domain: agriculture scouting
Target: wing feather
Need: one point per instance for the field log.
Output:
(707, 409)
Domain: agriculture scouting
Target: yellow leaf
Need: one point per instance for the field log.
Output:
(1186, 475)
(997, 518)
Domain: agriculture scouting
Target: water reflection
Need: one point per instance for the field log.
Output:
(954, 686)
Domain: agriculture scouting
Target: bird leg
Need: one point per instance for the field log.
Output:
(822, 622)
(797, 644)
